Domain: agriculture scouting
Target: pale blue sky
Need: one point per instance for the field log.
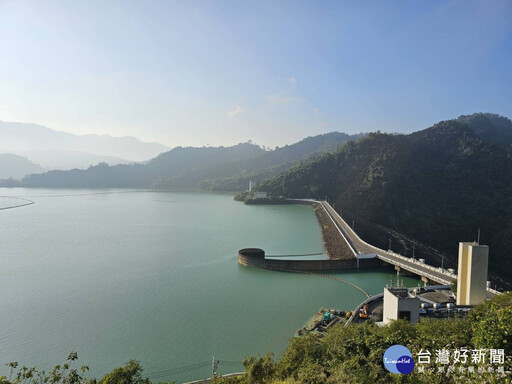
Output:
(222, 72)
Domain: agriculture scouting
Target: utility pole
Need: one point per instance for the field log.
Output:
(478, 238)
(389, 249)
(353, 224)
(442, 261)
(413, 248)
(214, 366)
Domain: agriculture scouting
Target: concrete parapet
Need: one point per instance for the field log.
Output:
(255, 257)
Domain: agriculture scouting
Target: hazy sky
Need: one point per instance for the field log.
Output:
(221, 72)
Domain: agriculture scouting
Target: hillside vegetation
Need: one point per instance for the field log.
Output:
(438, 186)
(212, 168)
(490, 127)
(352, 354)
(167, 165)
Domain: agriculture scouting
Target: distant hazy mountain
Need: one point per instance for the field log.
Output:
(16, 167)
(215, 168)
(52, 159)
(167, 165)
(21, 137)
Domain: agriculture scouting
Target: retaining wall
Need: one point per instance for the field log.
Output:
(255, 257)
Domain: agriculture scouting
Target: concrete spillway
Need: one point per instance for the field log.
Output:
(255, 257)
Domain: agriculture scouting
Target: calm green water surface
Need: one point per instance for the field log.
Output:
(154, 276)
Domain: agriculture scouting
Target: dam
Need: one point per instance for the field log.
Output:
(341, 254)
(255, 257)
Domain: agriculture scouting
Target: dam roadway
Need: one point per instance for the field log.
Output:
(360, 248)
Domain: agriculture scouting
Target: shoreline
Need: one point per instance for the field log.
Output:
(334, 244)
(340, 255)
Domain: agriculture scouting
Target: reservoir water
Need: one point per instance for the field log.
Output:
(153, 276)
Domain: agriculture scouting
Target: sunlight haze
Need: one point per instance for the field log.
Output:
(223, 72)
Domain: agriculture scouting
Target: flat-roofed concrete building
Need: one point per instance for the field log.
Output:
(398, 304)
(472, 273)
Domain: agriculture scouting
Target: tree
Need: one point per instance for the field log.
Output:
(129, 374)
(65, 374)
(259, 370)
(59, 374)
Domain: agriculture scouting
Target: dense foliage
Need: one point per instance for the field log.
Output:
(354, 354)
(131, 373)
(438, 186)
(274, 162)
(490, 127)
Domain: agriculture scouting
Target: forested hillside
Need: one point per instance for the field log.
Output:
(213, 168)
(490, 127)
(235, 175)
(354, 354)
(438, 186)
(169, 164)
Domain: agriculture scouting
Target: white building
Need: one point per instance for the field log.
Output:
(472, 276)
(399, 305)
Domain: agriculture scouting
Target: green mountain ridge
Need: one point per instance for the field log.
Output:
(438, 186)
(235, 175)
(490, 127)
(214, 168)
(174, 162)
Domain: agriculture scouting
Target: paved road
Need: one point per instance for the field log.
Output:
(359, 246)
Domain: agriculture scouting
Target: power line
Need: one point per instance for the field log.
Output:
(230, 361)
(177, 370)
(190, 368)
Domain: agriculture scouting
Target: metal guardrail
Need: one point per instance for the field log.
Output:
(493, 291)
(337, 227)
(410, 268)
(208, 380)
(380, 295)
(356, 311)
(416, 271)
(447, 277)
